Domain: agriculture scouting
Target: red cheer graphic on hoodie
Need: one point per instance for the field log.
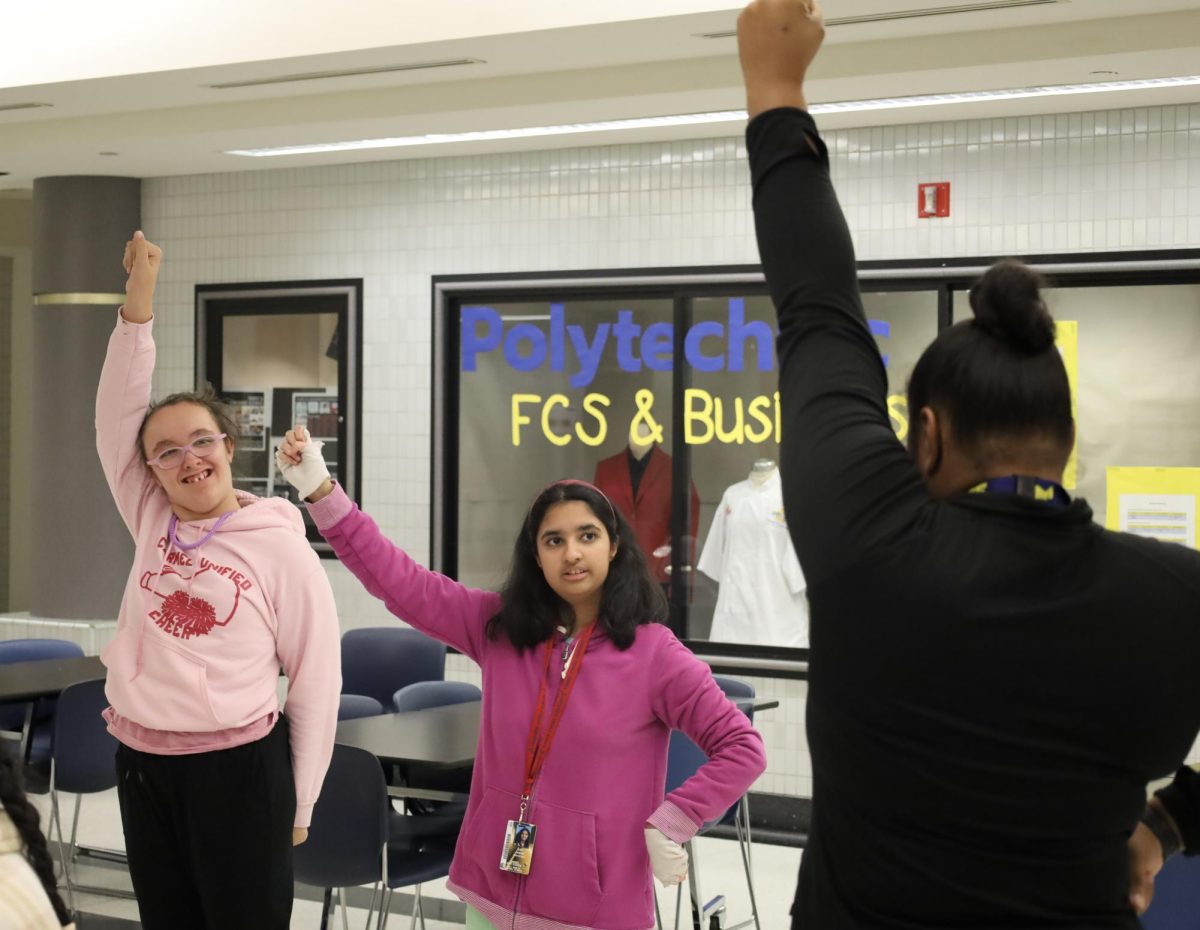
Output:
(184, 614)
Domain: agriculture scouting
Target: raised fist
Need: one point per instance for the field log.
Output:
(141, 262)
(777, 41)
(299, 459)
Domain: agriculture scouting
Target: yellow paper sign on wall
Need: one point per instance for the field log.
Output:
(1067, 340)
(1156, 502)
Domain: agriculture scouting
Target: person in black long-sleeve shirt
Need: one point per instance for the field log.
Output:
(994, 678)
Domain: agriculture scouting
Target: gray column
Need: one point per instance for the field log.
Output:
(82, 552)
(6, 437)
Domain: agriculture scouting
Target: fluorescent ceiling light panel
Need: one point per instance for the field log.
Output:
(723, 116)
(1018, 93)
(490, 135)
(346, 72)
(982, 7)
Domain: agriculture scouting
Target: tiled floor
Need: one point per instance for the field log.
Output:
(719, 862)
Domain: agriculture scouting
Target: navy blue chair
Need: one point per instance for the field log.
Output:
(12, 714)
(423, 694)
(1176, 903)
(407, 866)
(378, 661)
(83, 760)
(684, 757)
(349, 829)
(348, 840)
(433, 819)
(354, 706)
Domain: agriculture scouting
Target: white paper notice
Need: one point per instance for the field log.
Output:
(1169, 517)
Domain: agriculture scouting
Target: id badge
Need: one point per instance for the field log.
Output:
(517, 855)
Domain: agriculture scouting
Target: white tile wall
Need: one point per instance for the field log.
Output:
(1114, 180)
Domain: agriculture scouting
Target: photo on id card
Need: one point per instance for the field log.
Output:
(518, 847)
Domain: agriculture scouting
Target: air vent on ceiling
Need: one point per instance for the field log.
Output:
(982, 7)
(23, 106)
(348, 72)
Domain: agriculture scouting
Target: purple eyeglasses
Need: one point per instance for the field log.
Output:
(203, 446)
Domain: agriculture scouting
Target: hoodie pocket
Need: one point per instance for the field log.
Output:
(564, 883)
(485, 829)
(166, 690)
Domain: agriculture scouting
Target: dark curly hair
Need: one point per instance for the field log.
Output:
(25, 817)
(206, 398)
(530, 610)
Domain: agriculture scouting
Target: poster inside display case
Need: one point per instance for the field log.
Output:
(264, 415)
(249, 412)
(318, 412)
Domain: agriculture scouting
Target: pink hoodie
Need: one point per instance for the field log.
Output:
(202, 634)
(605, 776)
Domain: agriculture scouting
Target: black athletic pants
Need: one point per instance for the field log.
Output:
(209, 836)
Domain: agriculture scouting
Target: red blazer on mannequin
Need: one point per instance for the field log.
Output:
(650, 513)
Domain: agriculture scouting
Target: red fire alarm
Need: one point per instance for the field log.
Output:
(933, 199)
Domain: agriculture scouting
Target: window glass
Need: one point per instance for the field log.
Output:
(283, 355)
(1131, 353)
(278, 372)
(747, 584)
(550, 389)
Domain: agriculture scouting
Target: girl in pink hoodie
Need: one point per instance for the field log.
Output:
(567, 821)
(215, 785)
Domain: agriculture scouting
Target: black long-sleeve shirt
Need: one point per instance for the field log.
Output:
(994, 680)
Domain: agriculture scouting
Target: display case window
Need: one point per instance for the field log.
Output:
(284, 355)
(661, 389)
(1130, 351)
(665, 401)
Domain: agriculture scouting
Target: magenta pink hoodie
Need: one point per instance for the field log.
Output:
(605, 775)
(202, 635)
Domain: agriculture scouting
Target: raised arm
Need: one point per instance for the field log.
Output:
(124, 391)
(848, 483)
(436, 605)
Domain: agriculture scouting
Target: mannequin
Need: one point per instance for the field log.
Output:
(638, 482)
(761, 471)
(761, 600)
(641, 444)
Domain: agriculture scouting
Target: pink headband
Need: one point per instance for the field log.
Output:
(581, 483)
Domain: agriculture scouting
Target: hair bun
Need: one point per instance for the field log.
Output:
(1008, 304)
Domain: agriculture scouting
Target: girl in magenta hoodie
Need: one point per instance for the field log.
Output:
(215, 786)
(581, 689)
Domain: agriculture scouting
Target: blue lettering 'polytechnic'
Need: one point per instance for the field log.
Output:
(707, 346)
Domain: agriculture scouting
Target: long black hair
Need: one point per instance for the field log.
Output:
(998, 378)
(529, 608)
(25, 817)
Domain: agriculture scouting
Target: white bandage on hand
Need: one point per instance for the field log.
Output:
(668, 860)
(310, 474)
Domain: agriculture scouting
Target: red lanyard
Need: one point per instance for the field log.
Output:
(540, 739)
